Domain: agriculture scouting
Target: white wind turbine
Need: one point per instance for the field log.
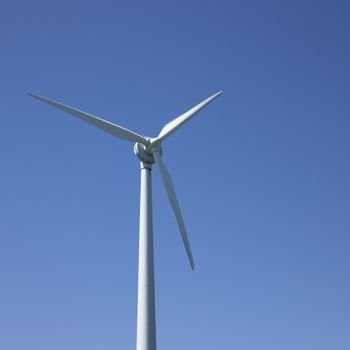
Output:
(148, 150)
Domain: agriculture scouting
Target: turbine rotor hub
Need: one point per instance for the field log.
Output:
(145, 152)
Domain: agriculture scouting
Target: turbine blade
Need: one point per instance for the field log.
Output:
(176, 123)
(105, 125)
(170, 190)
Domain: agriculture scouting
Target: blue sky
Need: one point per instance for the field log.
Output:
(262, 174)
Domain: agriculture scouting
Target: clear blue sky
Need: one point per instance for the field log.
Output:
(262, 174)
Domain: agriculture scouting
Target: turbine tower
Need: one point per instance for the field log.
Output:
(148, 150)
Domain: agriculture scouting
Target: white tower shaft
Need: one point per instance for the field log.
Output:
(146, 316)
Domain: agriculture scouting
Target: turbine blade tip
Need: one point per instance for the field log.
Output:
(32, 95)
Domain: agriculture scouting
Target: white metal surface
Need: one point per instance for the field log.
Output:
(146, 315)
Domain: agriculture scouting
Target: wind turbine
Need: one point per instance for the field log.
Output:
(148, 150)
